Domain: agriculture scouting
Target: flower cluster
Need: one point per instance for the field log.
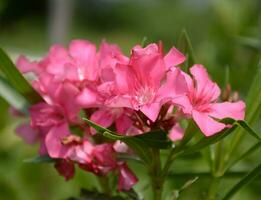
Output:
(130, 95)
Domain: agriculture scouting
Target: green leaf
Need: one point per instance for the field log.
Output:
(254, 43)
(253, 101)
(206, 141)
(138, 145)
(12, 96)
(40, 159)
(155, 139)
(244, 155)
(128, 157)
(132, 194)
(247, 128)
(243, 182)
(95, 195)
(144, 41)
(97, 127)
(207, 175)
(16, 79)
(76, 130)
(184, 45)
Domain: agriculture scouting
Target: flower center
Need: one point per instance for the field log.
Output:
(144, 95)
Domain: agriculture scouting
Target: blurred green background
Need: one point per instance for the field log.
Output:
(223, 33)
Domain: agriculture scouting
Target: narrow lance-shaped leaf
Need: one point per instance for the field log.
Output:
(184, 45)
(40, 159)
(250, 151)
(254, 43)
(249, 130)
(243, 182)
(155, 139)
(206, 141)
(12, 96)
(139, 146)
(16, 79)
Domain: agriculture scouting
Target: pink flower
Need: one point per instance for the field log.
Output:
(29, 135)
(65, 168)
(202, 102)
(139, 84)
(52, 129)
(126, 178)
(107, 116)
(176, 133)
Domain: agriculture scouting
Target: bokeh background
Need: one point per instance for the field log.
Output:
(224, 33)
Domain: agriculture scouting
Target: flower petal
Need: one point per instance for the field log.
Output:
(228, 110)
(206, 89)
(174, 86)
(176, 133)
(151, 111)
(126, 178)
(173, 58)
(88, 98)
(207, 125)
(53, 141)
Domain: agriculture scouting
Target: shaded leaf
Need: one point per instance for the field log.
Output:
(12, 96)
(132, 194)
(16, 79)
(128, 157)
(243, 182)
(138, 145)
(247, 128)
(94, 195)
(244, 155)
(184, 45)
(155, 139)
(206, 141)
(254, 43)
(40, 159)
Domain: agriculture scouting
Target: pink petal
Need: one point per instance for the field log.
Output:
(29, 135)
(84, 54)
(65, 168)
(228, 110)
(120, 147)
(176, 133)
(151, 111)
(124, 78)
(173, 58)
(65, 97)
(207, 125)
(184, 104)
(88, 98)
(205, 88)
(102, 117)
(149, 69)
(123, 123)
(53, 141)
(127, 178)
(24, 65)
(174, 86)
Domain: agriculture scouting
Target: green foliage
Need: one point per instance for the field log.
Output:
(12, 96)
(40, 160)
(243, 182)
(16, 79)
(185, 46)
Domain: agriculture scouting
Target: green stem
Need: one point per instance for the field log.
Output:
(156, 179)
(213, 189)
(104, 184)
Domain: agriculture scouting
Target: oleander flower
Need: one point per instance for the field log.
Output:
(202, 103)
